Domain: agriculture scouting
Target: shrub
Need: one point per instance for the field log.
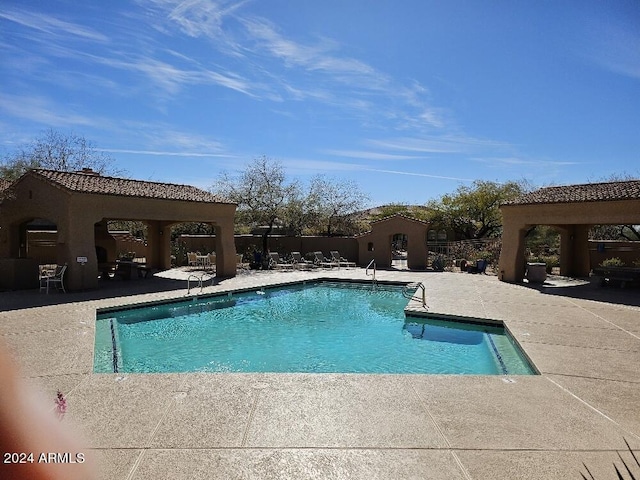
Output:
(485, 255)
(612, 262)
(178, 253)
(551, 261)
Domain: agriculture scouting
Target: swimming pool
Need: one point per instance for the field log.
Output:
(316, 327)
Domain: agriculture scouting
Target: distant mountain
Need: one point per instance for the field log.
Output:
(375, 213)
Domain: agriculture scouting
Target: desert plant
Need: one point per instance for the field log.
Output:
(179, 252)
(619, 472)
(551, 261)
(612, 262)
(439, 263)
(486, 255)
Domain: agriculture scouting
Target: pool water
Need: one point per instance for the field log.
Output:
(319, 327)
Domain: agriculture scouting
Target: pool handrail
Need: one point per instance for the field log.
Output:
(199, 279)
(416, 285)
(366, 272)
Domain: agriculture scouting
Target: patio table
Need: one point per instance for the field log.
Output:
(202, 260)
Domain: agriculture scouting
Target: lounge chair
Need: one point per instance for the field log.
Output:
(57, 279)
(275, 261)
(343, 262)
(299, 261)
(320, 261)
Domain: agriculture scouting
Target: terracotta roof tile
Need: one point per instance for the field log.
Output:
(88, 182)
(590, 192)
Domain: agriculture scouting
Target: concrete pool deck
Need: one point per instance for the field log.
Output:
(584, 340)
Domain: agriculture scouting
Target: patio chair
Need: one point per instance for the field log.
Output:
(275, 261)
(211, 262)
(192, 259)
(320, 261)
(343, 262)
(56, 279)
(299, 261)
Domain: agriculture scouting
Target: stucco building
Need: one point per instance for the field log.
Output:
(572, 210)
(79, 205)
(377, 244)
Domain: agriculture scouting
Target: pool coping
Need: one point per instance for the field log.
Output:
(481, 427)
(408, 312)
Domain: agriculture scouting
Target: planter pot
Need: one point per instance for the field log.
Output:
(536, 272)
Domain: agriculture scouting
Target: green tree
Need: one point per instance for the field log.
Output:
(56, 151)
(629, 233)
(474, 212)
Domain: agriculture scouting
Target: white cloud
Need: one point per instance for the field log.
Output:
(437, 144)
(612, 42)
(42, 111)
(417, 174)
(306, 166)
(51, 25)
(369, 155)
(165, 153)
(519, 161)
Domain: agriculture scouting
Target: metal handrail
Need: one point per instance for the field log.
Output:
(415, 285)
(372, 262)
(200, 279)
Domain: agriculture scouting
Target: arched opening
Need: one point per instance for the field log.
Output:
(399, 251)
(31, 247)
(39, 241)
(193, 238)
(543, 245)
(120, 247)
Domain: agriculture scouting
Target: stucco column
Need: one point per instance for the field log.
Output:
(159, 244)
(225, 250)
(574, 250)
(10, 240)
(511, 264)
(76, 239)
(417, 250)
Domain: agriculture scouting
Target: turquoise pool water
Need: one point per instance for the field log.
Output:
(318, 327)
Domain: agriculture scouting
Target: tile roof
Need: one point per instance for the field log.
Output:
(89, 182)
(589, 192)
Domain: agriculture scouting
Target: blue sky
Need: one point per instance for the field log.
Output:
(409, 98)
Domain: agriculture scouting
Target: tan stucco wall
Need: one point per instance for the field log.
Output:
(75, 215)
(573, 220)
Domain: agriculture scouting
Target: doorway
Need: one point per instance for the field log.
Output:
(399, 251)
